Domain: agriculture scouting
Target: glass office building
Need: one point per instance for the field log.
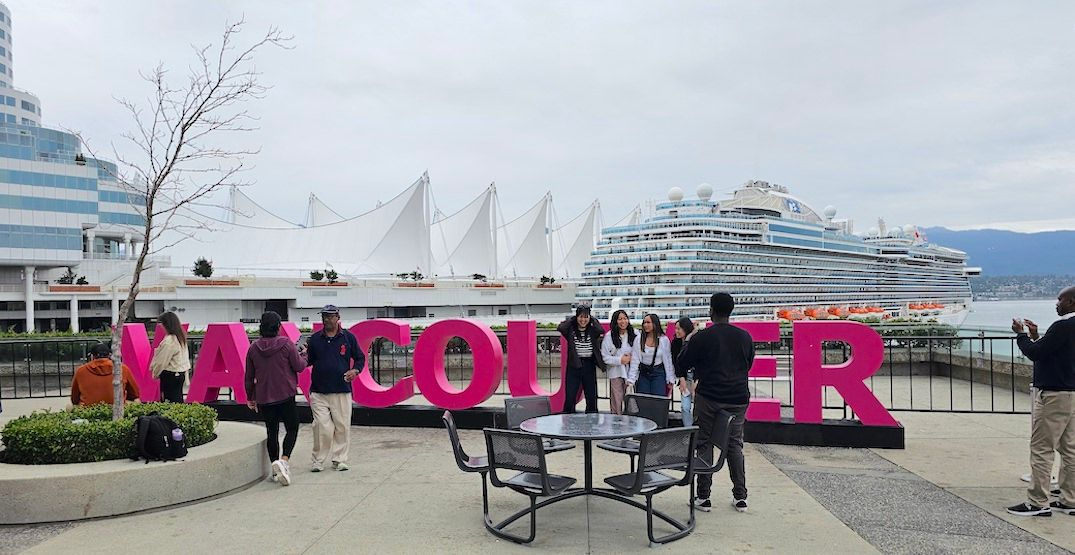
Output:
(58, 208)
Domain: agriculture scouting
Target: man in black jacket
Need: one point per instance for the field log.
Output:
(1053, 417)
(582, 334)
(721, 356)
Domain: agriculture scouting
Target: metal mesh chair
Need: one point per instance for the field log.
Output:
(519, 409)
(653, 407)
(522, 452)
(720, 436)
(465, 462)
(671, 449)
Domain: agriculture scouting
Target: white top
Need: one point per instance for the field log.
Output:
(612, 355)
(662, 355)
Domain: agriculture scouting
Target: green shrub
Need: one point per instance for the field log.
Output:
(53, 437)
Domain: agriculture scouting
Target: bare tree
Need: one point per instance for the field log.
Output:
(178, 158)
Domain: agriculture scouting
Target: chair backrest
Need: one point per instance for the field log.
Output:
(670, 448)
(512, 450)
(519, 409)
(721, 432)
(653, 407)
(461, 457)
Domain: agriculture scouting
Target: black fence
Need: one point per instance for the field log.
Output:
(984, 374)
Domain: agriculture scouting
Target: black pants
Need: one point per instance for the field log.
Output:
(273, 415)
(586, 376)
(705, 417)
(172, 386)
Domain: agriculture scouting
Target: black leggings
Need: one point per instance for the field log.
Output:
(172, 386)
(586, 377)
(273, 415)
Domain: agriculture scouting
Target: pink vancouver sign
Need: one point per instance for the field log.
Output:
(221, 364)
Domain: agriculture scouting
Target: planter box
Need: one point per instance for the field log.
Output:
(412, 284)
(548, 286)
(218, 282)
(324, 284)
(74, 288)
(489, 285)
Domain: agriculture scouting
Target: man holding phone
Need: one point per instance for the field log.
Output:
(336, 359)
(1052, 420)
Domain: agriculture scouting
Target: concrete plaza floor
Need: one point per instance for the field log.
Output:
(944, 493)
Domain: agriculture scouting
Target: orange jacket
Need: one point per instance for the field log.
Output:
(92, 383)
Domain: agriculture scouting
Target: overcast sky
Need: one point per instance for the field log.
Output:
(958, 114)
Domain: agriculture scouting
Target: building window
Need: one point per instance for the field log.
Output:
(28, 106)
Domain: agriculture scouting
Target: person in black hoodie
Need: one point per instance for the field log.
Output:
(1052, 421)
(583, 337)
(721, 356)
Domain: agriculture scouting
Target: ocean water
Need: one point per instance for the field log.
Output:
(997, 315)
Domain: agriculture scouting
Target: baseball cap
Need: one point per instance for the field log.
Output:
(330, 309)
(101, 350)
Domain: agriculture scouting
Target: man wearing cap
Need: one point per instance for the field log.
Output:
(92, 382)
(336, 359)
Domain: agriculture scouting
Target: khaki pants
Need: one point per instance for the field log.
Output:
(617, 389)
(332, 426)
(1052, 429)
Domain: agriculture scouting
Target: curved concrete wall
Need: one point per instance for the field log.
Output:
(60, 492)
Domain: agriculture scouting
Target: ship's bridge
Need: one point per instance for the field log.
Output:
(769, 199)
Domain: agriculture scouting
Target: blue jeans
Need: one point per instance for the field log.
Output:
(651, 384)
(685, 404)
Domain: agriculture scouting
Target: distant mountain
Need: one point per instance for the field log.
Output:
(1009, 253)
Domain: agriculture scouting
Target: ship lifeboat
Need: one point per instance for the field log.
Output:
(812, 313)
(858, 310)
(916, 306)
(874, 309)
(795, 315)
(783, 314)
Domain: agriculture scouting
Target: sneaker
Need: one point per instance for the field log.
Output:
(703, 505)
(340, 466)
(1026, 509)
(1060, 507)
(1055, 492)
(281, 471)
(317, 467)
(740, 505)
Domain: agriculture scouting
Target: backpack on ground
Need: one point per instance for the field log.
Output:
(158, 438)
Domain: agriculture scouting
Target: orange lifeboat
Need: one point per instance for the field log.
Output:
(916, 306)
(795, 315)
(874, 309)
(857, 310)
(811, 313)
(783, 314)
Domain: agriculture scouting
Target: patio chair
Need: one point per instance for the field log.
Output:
(465, 462)
(671, 449)
(720, 440)
(523, 452)
(519, 409)
(653, 407)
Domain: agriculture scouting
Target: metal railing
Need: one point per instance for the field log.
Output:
(919, 373)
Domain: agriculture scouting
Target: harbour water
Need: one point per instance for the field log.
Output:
(997, 316)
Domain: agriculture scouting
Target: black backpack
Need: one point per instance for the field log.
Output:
(158, 438)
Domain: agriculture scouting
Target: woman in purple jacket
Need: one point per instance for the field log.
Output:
(273, 365)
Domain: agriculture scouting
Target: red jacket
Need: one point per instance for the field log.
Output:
(92, 383)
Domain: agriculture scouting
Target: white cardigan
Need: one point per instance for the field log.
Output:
(611, 356)
(663, 355)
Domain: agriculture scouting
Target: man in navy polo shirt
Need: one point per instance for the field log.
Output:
(331, 353)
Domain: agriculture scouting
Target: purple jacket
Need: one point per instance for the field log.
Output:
(272, 370)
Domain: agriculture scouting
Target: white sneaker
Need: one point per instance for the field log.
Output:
(740, 505)
(317, 467)
(341, 466)
(282, 471)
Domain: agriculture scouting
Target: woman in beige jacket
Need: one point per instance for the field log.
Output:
(171, 360)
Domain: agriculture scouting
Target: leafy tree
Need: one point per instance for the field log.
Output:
(332, 276)
(203, 268)
(316, 275)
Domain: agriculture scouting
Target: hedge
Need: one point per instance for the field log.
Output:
(47, 437)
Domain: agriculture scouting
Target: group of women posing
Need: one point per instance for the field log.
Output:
(643, 361)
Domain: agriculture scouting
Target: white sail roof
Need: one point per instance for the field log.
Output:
(573, 242)
(632, 218)
(244, 211)
(381, 241)
(522, 244)
(462, 243)
(318, 213)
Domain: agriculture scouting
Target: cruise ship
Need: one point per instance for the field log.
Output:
(777, 256)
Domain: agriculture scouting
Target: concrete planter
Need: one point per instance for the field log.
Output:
(74, 288)
(548, 286)
(489, 285)
(212, 282)
(412, 284)
(62, 492)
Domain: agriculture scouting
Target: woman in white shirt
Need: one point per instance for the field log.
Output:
(653, 369)
(171, 360)
(616, 350)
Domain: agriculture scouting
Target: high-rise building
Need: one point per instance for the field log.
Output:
(58, 209)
